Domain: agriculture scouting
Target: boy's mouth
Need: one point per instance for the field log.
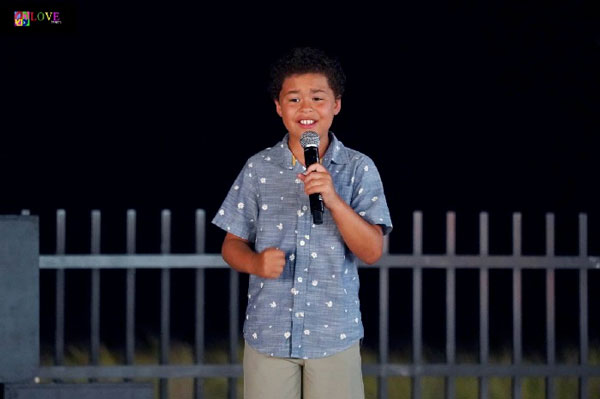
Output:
(307, 122)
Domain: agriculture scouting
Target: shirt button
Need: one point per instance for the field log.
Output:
(302, 243)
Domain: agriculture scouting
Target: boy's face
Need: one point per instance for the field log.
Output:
(306, 102)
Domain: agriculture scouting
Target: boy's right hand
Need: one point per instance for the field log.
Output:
(269, 263)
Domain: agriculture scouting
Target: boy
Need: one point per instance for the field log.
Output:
(303, 323)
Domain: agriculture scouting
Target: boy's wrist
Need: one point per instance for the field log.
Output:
(337, 205)
(253, 263)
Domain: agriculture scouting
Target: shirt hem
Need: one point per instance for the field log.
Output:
(350, 344)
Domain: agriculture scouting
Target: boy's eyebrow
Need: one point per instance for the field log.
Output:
(311, 90)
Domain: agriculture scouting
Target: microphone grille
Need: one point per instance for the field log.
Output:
(309, 139)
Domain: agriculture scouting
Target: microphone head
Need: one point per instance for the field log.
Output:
(309, 139)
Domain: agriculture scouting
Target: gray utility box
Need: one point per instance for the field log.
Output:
(19, 298)
(79, 391)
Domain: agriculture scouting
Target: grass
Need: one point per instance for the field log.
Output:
(398, 387)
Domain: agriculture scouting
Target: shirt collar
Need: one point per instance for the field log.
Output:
(336, 152)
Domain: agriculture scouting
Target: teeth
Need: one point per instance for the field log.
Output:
(307, 121)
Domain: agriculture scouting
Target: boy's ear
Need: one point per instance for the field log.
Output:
(338, 106)
(278, 108)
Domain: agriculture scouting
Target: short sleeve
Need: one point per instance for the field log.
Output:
(368, 198)
(238, 213)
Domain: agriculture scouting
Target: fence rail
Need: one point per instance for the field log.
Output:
(417, 261)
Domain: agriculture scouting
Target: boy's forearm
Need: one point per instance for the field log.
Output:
(364, 239)
(239, 255)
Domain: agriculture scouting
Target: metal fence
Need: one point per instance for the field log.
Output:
(417, 262)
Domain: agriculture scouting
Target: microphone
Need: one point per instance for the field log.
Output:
(310, 142)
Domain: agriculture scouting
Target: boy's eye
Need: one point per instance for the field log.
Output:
(317, 99)
(294, 100)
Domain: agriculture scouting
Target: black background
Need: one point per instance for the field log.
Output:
(464, 107)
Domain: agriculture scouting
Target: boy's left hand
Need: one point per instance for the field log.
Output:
(317, 179)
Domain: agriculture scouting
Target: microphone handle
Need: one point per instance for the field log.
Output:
(311, 155)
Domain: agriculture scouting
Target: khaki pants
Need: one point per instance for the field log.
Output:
(334, 377)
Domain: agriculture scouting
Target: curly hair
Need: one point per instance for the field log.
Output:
(307, 60)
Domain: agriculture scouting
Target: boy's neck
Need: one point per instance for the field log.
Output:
(298, 151)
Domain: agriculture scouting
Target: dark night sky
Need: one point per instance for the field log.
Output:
(462, 107)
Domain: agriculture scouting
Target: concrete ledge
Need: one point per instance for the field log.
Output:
(80, 391)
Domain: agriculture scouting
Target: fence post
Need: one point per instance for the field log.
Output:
(234, 296)
(59, 329)
(384, 297)
(165, 301)
(517, 306)
(583, 306)
(95, 293)
(199, 308)
(130, 291)
(417, 305)
(550, 307)
(450, 382)
(19, 298)
(483, 303)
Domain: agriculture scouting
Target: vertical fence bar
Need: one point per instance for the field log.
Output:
(517, 300)
(384, 286)
(483, 303)
(386, 244)
(233, 329)
(583, 306)
(130, 292)
(59, 328)
(199, 324)
(450, 303)
(95, 293)
(550, 308)
(417, 303)
(165, 300)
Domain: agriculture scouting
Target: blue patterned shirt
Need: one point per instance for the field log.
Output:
(312, 309)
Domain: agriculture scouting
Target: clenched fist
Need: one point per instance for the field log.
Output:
(269, 263)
